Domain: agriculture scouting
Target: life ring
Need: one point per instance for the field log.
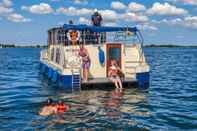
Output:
(73, 36)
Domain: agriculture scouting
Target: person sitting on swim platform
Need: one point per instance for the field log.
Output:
(114, 69)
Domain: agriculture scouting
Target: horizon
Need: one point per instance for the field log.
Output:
(25, 23)
(34, 45)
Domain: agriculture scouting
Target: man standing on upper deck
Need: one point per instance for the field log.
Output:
(96, 21)
(96, 18)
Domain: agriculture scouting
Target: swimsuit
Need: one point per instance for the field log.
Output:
(85, 59)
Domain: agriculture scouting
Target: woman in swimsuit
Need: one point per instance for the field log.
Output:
(85, 61)
(113, 74)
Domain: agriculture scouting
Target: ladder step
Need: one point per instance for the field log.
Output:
(76, 80)
(76, 77)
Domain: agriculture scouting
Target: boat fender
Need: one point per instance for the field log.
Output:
(55, 76)
(101, 55)
(43, 68)
(50, 73)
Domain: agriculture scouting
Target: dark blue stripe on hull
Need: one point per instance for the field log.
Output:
(143, 80)
(66, 80)
(62, 80)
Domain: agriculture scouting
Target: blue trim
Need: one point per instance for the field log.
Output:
(101, 56)
(83, 27)
(63, 80)
(143, 80)
(67, 81)
(50, 73)
(55, 76)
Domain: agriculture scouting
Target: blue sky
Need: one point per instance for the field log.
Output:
(26, 22)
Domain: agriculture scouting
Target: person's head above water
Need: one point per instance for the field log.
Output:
(49, 101)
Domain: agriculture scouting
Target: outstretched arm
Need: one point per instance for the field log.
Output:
(109, 73)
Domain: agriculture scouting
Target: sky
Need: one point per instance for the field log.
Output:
(25, 22)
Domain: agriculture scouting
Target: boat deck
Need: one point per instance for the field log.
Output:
(102, 83)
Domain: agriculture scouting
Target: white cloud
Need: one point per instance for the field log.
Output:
(42, 8)
(5, 7)
(166, 9)
(80, 1)
(4, 10)
(147, 26)
(187, 2)
(109, 15)
(117, 5)
(83, 20)
(72, 11)
(133, 6)
(7, 12)
(189, 22)
(17, 18)
(110, 24)
(168, 21)
(7, 3)
(190, 2)
(55, 0)
(134, 17)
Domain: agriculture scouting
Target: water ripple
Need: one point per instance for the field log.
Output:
(169, 104)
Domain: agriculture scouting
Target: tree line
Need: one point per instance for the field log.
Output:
(24, 46)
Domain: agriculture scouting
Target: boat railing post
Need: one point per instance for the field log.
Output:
(141, 41)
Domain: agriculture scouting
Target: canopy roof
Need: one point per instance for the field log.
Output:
(98, 28)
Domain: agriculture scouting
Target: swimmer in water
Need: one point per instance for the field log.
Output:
(48, 109)
(61, 107)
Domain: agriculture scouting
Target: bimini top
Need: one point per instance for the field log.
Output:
(98, 28)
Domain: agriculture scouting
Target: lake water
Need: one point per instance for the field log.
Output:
(169, 104)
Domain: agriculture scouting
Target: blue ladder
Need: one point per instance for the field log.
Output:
(76, 81)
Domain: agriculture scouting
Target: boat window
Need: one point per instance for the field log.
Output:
(57, 60)
(49, 38)
(52, 54)
(89, 37)
(114, 53)
(125, 37)
(61, 37)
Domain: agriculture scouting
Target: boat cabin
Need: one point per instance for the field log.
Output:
(104, 44)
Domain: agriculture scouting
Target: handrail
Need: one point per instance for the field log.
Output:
(141, 40)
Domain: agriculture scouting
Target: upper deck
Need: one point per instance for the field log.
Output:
(89, 34)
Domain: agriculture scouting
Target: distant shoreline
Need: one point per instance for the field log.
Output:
(44, 46)
(171, 46)
(21, 46)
